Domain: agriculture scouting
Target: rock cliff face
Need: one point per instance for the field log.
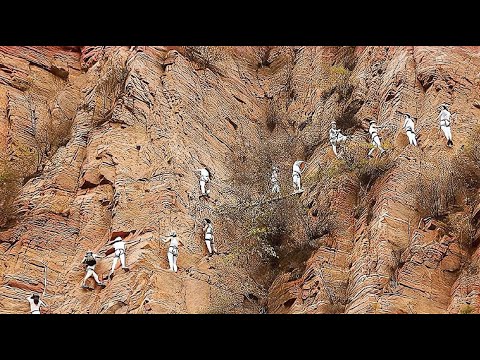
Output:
(98, 141)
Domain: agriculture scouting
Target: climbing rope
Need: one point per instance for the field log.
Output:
(45, 279)
(415, 82)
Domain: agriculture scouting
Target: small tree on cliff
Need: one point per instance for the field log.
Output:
(262, 227)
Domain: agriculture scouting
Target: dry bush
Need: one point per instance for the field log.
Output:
(333, 308)
(50, 136)
(263, 228)
(466, 309)
(466, 163)
(24, 162)
(12, 175)
(336, 81)
(337, 75)
(109, 89)
(262, 54)
(472, 149)
(273, 115)
(207, 57)
(251, 165)
(267, 229)
(328, 173)
(346, 57)
(9, 188)
(438, 187)
(465, 180)
(347, 119)
(366, 170)
(434, 189)
(369, 170)
(461, 225)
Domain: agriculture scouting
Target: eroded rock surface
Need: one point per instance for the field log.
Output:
(144, 118)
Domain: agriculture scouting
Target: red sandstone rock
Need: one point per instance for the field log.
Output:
(132, 173)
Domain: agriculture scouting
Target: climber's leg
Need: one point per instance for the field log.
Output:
(202, 187)
(175, 263)
(87, 275)
(208, 246)
(114, 264)
(122, 260)
(334, 147)
(171, 260)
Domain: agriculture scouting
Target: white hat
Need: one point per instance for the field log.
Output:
(173, 233)
(118, 238)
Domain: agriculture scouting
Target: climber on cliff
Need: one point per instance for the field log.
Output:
(90, 260)
(445, 123)
(35, 303)
(373, 131)
(209, 239)
(275, 181)
(335, 136)
(172, 253)
(119, 247)
(296, 174)
(409, 127)
(204, 180)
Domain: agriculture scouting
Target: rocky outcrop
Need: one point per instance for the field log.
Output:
(387, 262)
(141, 120)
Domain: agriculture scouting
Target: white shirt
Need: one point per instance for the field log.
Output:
(373, 130)
(119, 245)
(274, 176)
(296, 166)
(208, 236)
(333, 134)
(33, 306)
(204, 174)
(444, 116)
(409, 124)
(174, 241)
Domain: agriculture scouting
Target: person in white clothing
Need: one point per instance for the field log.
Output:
(296, 174)
(335, 136)
(373, 131)
(209, 239)
(275, 181)
(35, 303)
(90, 260)
(119, 247)
(445, 123)
(204, 180)
(409, 127)
(172, 253)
